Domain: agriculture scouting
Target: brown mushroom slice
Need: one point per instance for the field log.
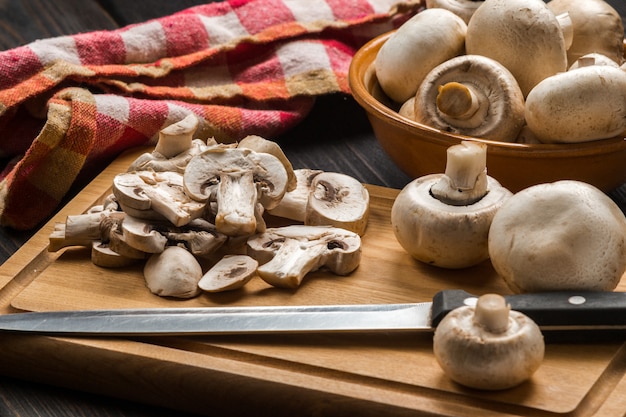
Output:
(118, 244)
(103, 256)
(237, 179)
(338, 200)
(200, 237)
(462, 8)
(474, 96)
(229, 273)
(259, 144)
(597, 27)
(173, 273)
(162, 192)
(287, 254)
(487, 346)
(143, 235)
(522, 35)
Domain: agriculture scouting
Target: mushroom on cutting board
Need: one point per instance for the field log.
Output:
(420, 44)
(566, 235)
(293, 204)
(173, 273)
(338, 200)
(580, 105)
(161, 192)
(462, 8)
(287, 254)
(597, 28)
(444, 219)
(488, 346)
(474, 96)
(229, 273)
(242, 182)
(523, 35)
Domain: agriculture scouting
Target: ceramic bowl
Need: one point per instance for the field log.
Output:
(419, 150)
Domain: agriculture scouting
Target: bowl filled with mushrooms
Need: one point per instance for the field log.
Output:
(545, 107)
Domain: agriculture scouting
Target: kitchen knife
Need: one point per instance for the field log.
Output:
(559, 311)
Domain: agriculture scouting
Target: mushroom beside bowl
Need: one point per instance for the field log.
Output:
(419, 150)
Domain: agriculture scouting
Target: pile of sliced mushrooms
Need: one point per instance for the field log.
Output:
(194, 212)
(510, 70)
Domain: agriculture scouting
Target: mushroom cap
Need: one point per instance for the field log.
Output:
(566, 235)
(581, 105)
(420, 44)
(500, 115)
(523, 35)
(598, 27)
(475, 357)
(441, 234)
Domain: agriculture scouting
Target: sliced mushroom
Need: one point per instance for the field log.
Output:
(238, 180)
(83, 229)
(293, 204)
(199, 236)
(173, 273)
(474, 96)
(103, 256)
(230, 273)
(287, 254)
(338, 200)
(259, 144)
(419, 45)
(177, 137)
(488, 346)
(152, 161)
(523, 35)
(162, 192)
(142, 235)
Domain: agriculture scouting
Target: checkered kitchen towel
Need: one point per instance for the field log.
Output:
(71, 103)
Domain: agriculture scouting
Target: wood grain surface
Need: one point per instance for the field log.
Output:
(336, 136)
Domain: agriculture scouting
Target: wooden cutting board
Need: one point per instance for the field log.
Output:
(355, 374)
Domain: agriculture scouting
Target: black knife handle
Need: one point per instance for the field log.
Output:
(561, 310)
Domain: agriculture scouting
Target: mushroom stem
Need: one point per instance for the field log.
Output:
(236, 200)
(492, 313)
(457, 100)
(465, 178)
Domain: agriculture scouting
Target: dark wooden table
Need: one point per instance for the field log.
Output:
(336, 136)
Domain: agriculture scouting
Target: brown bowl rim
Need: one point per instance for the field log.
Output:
(361, 64)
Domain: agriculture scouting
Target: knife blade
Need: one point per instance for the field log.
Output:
(554, 311)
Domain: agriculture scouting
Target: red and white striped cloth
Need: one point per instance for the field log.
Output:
(71, 103)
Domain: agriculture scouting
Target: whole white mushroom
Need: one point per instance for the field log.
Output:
(444, 219)
(488, 346)
(419, 45)
(566, 235)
